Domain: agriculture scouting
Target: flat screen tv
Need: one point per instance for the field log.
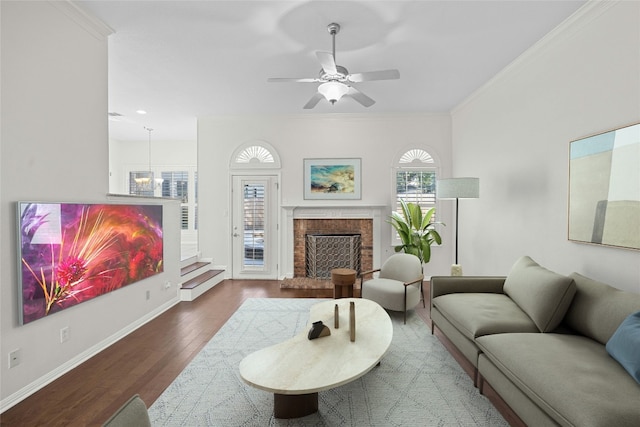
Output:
(72, 252)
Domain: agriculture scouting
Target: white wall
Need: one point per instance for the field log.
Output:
(514, 134)
(125, 156)
(376, 139)
(54, 148)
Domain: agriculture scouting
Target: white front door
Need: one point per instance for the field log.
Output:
(255, 227)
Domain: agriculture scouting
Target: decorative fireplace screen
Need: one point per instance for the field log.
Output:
(325, 252)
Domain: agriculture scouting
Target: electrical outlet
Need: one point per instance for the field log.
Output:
(64, 334)
(167, 285)
(148, 295)
(15, 358)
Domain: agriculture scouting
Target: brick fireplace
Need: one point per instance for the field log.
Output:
(299, 220)
(331, 226)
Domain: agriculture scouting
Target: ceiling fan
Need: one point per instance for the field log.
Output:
(335, 81)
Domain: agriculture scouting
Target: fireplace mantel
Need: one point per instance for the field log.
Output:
(315, 211)
(334, 211)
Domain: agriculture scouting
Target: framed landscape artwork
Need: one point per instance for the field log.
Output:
(326, 179)
(69, 253)
(604, 188)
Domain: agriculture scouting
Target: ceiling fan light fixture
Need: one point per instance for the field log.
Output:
(333, 91)
(336, 80)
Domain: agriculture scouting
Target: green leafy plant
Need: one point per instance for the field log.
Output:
(417, 232)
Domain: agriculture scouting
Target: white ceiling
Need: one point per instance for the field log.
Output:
(180, 60)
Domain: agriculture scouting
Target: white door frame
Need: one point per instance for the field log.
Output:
(272, 244)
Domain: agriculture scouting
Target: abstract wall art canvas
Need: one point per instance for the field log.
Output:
(327, 179)
(604, 188)
(71, 252)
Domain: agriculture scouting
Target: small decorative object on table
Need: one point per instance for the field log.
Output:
(318, 330)
(352, 321)
(336, 317)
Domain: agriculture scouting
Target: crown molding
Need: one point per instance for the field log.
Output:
(89, 23)
(566, 29)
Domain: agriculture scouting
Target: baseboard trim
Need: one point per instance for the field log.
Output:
(45, 380)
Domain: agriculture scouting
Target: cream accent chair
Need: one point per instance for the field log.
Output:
(132, 414)
(398, 287)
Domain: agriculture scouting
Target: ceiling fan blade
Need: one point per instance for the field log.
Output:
(374, 75)
(313, 101)
(360, 97)
(328, 62)
(292, 80)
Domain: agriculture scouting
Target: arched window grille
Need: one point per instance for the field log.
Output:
(254, 155)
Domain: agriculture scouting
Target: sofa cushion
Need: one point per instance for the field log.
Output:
(571, 377)
(624, 345)
(544, 295)
(598, 309)
(477, 314)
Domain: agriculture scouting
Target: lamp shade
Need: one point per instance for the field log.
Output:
(458, 188)
(333, 91)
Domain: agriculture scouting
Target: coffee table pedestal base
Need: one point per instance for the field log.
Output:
(294, 405)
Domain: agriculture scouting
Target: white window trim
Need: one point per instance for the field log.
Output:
(432, 165)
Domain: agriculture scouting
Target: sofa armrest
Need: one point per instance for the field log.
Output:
(441, 285)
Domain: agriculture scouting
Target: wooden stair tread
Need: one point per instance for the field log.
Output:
(192, 267)
(200, 279)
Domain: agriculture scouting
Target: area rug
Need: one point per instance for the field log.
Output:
(418, 383)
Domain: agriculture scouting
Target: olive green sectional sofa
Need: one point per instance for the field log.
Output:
(560, 350)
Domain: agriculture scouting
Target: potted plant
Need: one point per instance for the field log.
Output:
(417, 232)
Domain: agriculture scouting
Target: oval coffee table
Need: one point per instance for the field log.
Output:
(297, 369)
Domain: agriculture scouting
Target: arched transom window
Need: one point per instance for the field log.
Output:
(255, 155)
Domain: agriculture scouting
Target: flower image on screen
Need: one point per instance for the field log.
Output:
(70, 253)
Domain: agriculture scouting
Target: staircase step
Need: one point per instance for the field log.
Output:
(193, 288)
(200, 279)
(192, 267)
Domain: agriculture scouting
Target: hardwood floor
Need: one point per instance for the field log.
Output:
(149, 359)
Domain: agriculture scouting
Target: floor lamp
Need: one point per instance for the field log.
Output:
(457, 188)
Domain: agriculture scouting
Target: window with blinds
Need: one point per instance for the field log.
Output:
(175, 184)
(184, 217)
(414, 176)
(416, 186)
(253, 220)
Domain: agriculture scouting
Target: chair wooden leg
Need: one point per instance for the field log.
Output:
(422, 294)
(405, 305)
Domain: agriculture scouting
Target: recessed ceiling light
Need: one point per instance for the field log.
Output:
(141, 112)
